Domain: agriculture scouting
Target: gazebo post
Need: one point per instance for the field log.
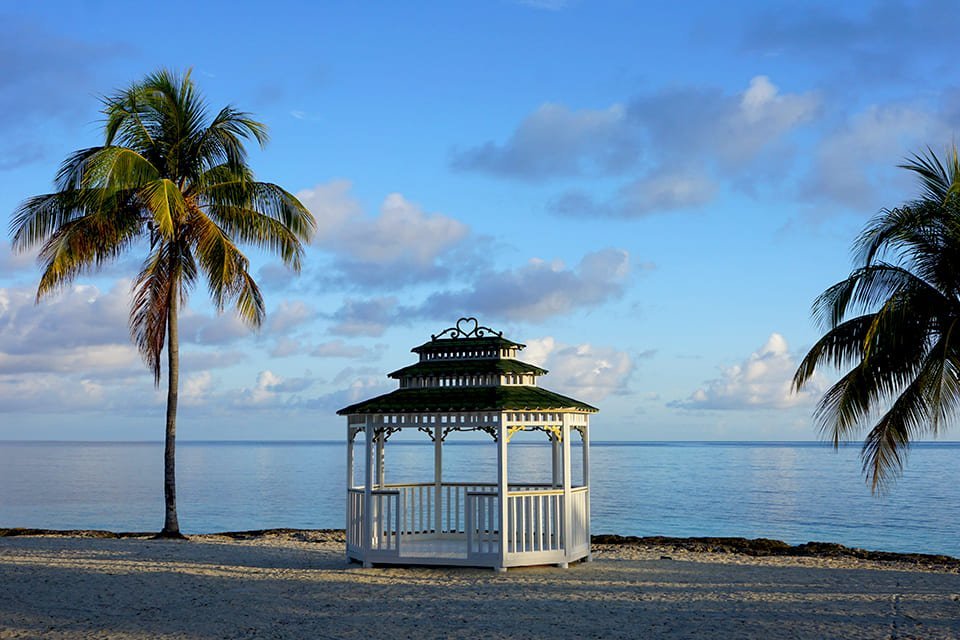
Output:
(567, 494)
(380, 461)
(503, 488)
(585, 445)
(367, 494)
(555, 451)
(438, 478)
(351, 435)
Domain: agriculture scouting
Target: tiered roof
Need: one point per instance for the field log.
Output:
(467, 368)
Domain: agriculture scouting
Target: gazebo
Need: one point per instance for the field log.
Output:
(468, 378)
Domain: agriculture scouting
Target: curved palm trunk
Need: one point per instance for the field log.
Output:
(171, 527)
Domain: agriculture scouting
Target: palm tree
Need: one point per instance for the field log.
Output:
(895, 324)
(168, 179)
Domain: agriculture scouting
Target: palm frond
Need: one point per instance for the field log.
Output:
(85, 243)
(839, 348)
(936, 179)
(148, 312)
(226, 270)
(37, 218)
(222, 141)
(165, 202)
(933, 395)
(71, 174)
(864, 290)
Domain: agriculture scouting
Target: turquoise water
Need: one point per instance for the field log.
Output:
(792, 491)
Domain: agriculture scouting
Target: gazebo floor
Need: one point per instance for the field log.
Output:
(432, 546)
(452, 549)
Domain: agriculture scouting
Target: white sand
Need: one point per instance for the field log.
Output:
(299, 586)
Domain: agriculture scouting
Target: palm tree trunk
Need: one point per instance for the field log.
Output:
(171, 527)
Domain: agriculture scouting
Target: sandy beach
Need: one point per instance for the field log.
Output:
(297, 585)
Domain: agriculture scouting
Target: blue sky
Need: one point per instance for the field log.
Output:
(649, 195)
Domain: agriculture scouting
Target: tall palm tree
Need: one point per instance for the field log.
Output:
(169, 179)
(894, 322)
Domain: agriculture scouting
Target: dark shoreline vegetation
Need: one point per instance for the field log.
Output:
(756, 547)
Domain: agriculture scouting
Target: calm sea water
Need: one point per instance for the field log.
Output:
(792, 491)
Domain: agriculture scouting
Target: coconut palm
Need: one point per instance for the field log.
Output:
(894, 326)
(176, 183)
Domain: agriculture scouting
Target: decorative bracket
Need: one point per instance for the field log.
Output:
(353, 430)
(556, 432)
(490, 431)
(385, 432)
(511, 431)
(467, 328)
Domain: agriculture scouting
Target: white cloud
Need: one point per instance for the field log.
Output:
(216, 330)
(192, 359)
(196, 388)
(684, 141)
(855, 164)
(402, 244)
(402, 233)
(762, 381)
(711, 127)
(73, 353)
(289, 315)
(285, 346)
(340, 349)
(79, 327)
(359, 386)
(332, 206)
(12, 262)
(369, 317)
(272, 390)
(53, 393)
(555, 141)
(666, 191)
(537, 290)
(584, 371)
(103, 359)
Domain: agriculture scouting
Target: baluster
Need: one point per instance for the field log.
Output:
(523, 522)
(512, 548)
(537, 529)
(388, 523)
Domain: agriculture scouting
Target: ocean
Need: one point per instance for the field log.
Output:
(796, 492)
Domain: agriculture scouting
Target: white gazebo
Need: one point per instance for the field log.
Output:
(468, 379)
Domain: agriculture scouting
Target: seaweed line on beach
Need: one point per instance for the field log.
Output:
(757, 547)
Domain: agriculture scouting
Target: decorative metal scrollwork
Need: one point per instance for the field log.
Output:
(385, 432)
(490, 431)
(467, 328)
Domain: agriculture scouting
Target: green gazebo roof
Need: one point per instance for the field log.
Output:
(470, 366)
(443, 344)
(501, 398)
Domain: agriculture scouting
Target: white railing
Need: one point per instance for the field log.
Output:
(419, 510)
(482, 523)
(355, 519)
(535, 517)
(535, 521)
(579, 539)
(384, 520)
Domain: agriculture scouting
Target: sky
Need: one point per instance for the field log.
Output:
(648, 195)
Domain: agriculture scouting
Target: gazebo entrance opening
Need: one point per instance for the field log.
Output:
(468, 379)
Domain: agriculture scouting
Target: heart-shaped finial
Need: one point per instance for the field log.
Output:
(462, 323)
